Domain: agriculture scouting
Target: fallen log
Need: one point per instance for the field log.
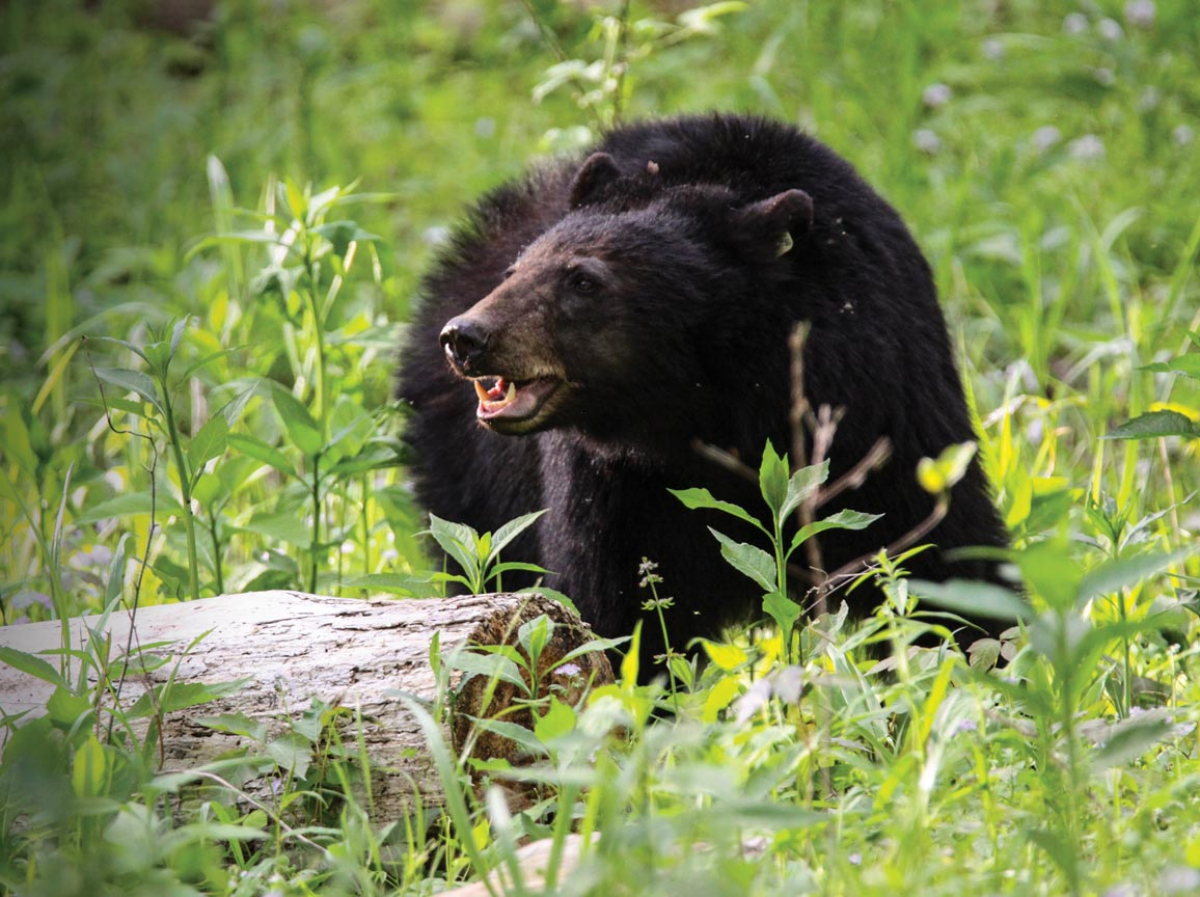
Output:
(291, 649)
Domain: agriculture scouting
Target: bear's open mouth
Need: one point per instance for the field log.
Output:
(501, 399)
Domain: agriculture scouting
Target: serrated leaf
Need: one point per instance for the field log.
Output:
(255, 448)
(702, 499)
(181, 695)
(31, 665)
(1155, 424)
(208, 443)
(303, 431)
(131, 381)
(749, 560)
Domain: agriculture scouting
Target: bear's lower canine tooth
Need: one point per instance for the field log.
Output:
(511, 395)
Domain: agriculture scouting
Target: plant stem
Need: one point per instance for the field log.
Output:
(316, 530)
(185, 490)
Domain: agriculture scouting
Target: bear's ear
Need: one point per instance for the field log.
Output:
(597, 171)
(768, 227)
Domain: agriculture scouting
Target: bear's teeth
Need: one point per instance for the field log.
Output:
(493, 399)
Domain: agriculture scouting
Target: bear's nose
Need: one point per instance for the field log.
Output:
(464, 341)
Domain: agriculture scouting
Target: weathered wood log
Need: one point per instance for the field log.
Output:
(292, 648)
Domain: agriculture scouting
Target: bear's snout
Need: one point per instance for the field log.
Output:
(465, 340)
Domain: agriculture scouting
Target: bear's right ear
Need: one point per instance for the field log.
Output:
(770, 226)
(597, 171)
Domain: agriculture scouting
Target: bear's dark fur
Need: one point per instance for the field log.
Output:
(618, 309)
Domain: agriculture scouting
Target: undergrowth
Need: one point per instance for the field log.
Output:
(209, 246)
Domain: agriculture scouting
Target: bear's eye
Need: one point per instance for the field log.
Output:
(582, 283)
(509, 272)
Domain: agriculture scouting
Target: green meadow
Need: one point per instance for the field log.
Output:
(213, 225)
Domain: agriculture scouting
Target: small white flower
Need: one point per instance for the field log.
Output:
(1046, 137)
(1140, 13)
(1110, 30)
(1104, 76)
(1149, 99)
(568, 669)
(1075, 23)
(435, 235)
(1088, 148)
(1182, 135)
(485, 127)
(936, 95)
(927, 141)
(992, 49)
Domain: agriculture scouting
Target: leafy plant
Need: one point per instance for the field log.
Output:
(783, 494)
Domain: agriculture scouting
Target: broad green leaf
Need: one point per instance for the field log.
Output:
(719, 697)
(510, 531)
(845, 519)
(1188, 365)
(291, 752)
(304, 432)
(783, 610)
(30, 664)
(972, 598)
(457, 540)
(773, 479)
(136, 350)
(162, 503)
(66, 708)
(1131, 738)
(490, 666)
(131, 381)
(1156, 424)
(749, 559)
(702, 499)
(181, 695)
(89, 770)
(558, 720)
(1112, 576)
(803, 483)
(255, 448)
(208, 443)
(726, 657)
(283, 526)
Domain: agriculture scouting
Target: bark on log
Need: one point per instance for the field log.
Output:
(292, 648)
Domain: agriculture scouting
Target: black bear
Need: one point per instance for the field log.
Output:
(589, 323)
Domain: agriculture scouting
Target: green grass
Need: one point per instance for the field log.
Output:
(227, 425)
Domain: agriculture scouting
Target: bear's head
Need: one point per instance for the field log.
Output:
(611, 321)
